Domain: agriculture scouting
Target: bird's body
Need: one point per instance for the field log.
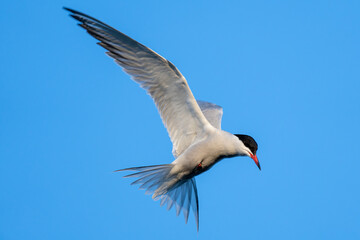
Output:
(202, 155)
(194, 126)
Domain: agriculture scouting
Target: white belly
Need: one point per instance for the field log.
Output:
(202, 155)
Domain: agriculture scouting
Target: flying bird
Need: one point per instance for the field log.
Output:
(194, 126)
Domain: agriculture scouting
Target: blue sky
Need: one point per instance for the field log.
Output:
(285, 72)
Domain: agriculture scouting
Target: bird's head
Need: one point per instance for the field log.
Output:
(250, 147)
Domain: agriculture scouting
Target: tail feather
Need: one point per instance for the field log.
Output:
(170, 202)
(142, 179)
(164, 186)
(187, 202)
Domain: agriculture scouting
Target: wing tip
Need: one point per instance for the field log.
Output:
(70, 10)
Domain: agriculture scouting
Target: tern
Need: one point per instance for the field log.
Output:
(194, 127)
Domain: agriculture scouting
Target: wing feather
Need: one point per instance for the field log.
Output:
(177, 106)
(212, 112)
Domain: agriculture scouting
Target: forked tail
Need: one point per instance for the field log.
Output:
(158, 181)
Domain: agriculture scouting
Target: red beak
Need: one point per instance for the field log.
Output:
(254, 157)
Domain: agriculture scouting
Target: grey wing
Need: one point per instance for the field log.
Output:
(212, 112)
(177, 106)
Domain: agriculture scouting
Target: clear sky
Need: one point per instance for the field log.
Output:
(285, 72)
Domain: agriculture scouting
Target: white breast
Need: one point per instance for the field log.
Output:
(217, 145)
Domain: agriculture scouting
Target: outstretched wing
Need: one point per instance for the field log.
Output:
(178, 109)
(212, 112)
